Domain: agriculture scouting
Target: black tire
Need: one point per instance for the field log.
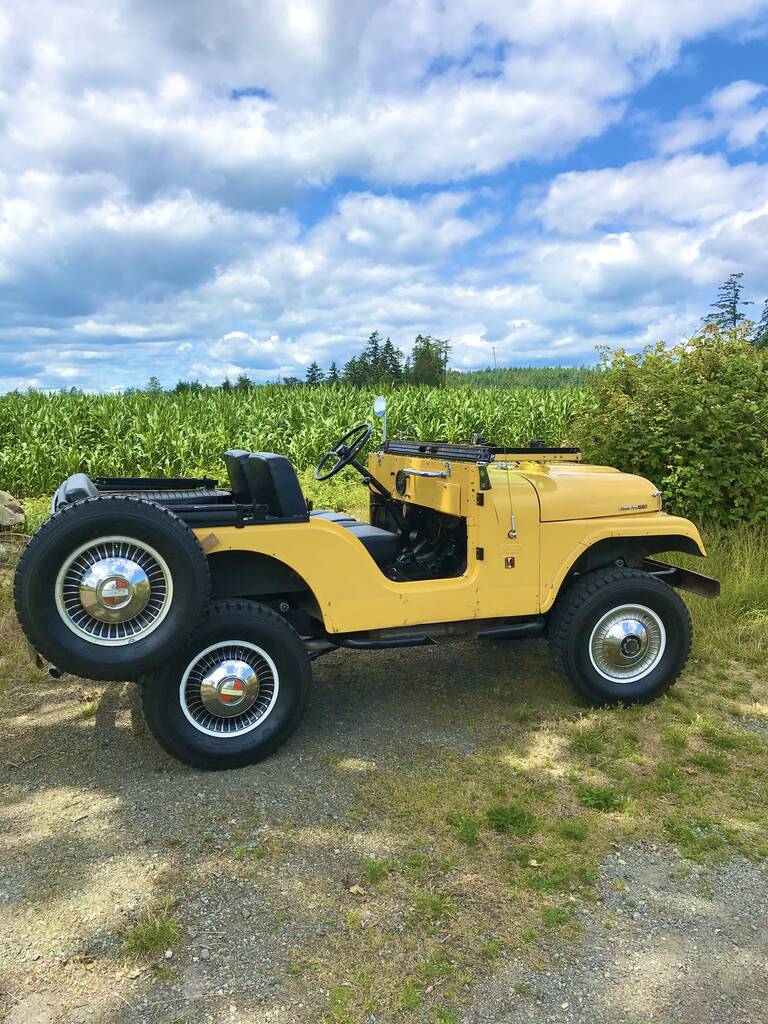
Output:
(52, 630)
(581, 608)
(276, 713)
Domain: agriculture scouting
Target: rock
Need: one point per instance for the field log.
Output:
(11, 511)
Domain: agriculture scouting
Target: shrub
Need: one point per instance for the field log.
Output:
(692, 418)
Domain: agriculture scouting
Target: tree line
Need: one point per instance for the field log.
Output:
(383, 364)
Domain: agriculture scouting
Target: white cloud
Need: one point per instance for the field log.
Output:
(175, 229)
(688, 189)
(737, 114)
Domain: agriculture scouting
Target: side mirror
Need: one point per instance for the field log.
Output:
(380, 411)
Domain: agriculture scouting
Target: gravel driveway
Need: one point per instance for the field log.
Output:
(96, 823)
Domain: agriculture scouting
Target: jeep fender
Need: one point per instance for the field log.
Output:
(586, 544)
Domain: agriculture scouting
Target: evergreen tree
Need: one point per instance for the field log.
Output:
(226, 384)
(429, 361)
(760, 336)
(727, 312)
(355, 372)
(314, 374)
(391, 364)
(243, 383)
(333, 374)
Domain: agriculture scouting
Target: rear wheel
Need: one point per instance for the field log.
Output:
(620, 636)
(235, 693)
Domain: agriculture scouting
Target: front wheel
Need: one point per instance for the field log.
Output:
(235, 693)
(620, 636)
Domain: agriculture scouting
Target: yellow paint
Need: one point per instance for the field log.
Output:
(354, 595)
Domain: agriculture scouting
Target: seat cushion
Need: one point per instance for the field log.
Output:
(381, 545)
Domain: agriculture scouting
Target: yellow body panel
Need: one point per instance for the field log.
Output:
(515, 562)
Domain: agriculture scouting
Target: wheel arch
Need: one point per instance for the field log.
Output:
(252, 574)
(617, 549)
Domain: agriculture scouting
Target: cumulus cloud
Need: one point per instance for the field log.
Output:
(736, 114)
(203, 190)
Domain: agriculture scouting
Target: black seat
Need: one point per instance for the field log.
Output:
(334, 517)
(380, 544)
(273, 482)
(235, 460)
(267, 479)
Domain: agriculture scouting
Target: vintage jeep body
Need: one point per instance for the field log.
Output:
(216, 600)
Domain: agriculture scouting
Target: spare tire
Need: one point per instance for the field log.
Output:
(110, 587)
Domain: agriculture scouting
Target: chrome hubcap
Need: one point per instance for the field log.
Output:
(627, 643)
(229, 688)
(114, 591)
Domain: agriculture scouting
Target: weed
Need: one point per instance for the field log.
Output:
(573, 829)
(431, 906)
(556, 917)
(699, 839)
(339, 998)
(156, 931)
(466, 828)
(714, 763)
(528, 935)
(492, 949)
(374, 870)
(599, 798)
(511, 820)
(411, 996)
(522, 988)
(674, 737)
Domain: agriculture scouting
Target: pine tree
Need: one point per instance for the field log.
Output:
(314, 374)
(391, 363)
(243, 383)
(727, 313)
(333, 374)
(760, 335)
(226, 384)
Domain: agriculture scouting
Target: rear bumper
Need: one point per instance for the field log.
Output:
(683, 579)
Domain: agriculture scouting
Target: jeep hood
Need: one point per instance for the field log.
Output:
(590, 492)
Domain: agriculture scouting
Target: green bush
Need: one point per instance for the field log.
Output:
(692, 418)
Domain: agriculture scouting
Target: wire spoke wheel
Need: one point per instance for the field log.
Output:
(229, 689)
(114, 591)
(627, 643)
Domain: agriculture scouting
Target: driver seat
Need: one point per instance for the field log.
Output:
(269, 479)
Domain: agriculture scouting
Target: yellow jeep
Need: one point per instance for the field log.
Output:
(217, 601)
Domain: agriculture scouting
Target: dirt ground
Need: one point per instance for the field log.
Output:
(97, 824)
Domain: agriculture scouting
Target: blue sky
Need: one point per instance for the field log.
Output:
(198, 190)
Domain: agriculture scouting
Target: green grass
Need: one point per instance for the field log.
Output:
(511, 820)
(599, 798)
(156, 931)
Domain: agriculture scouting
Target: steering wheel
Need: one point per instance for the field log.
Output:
(344, 451)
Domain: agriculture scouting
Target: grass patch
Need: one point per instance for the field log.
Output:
(156, 931)
(374, 870)
(599, 798)
(715, 764)
(466, 828)
(510, 820)
(556, 917)
(575, 830)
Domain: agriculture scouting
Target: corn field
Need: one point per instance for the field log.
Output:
(45, 437)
